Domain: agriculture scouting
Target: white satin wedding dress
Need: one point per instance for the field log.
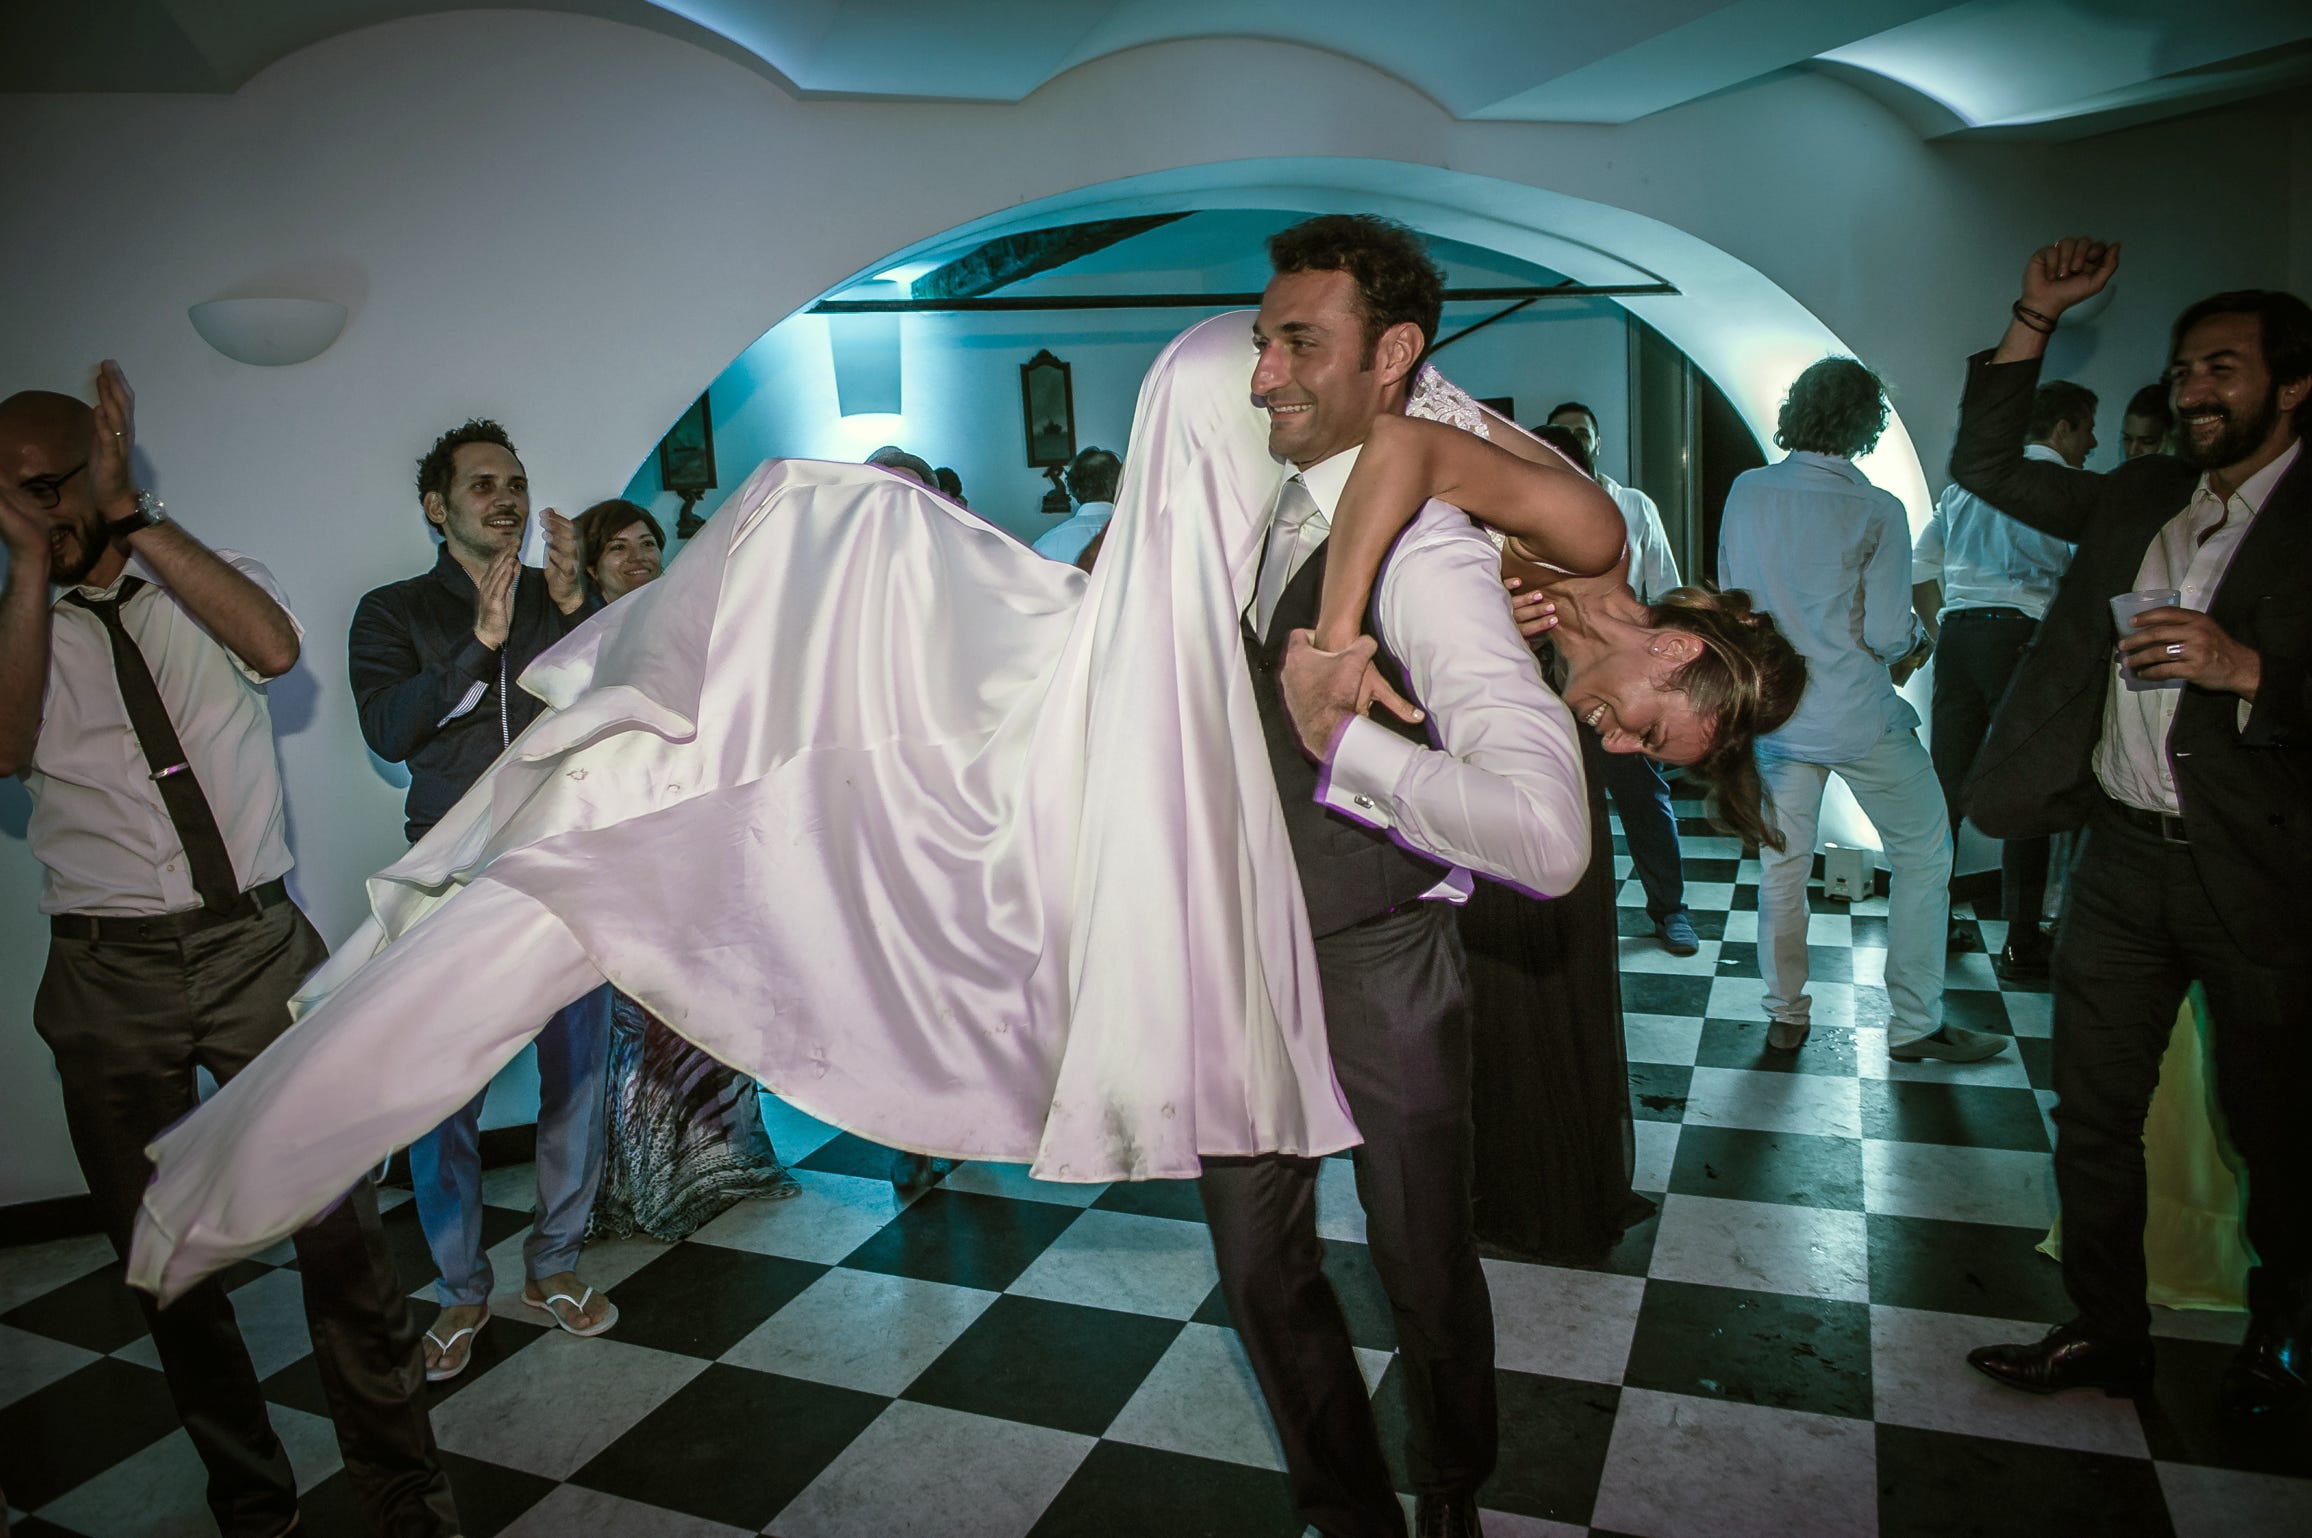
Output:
(948, 844)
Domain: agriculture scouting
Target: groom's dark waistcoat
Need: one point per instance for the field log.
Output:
(1349, 872)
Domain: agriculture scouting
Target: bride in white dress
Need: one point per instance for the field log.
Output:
(947, 844)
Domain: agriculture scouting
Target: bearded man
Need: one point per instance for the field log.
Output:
(2183, 742)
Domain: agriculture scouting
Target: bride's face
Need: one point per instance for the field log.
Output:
(1626, 695)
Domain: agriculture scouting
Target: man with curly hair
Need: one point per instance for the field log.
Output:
(1829, 555)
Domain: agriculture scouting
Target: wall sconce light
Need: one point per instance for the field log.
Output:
(269, 332)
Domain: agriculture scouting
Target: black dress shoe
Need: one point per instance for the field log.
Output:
(1446, 1516)
(2267, 1376)
(2020, 966)
(2068, 1357)
(914, 1171)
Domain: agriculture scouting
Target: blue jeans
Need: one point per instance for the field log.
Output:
(446, 1164)
(1650, 827)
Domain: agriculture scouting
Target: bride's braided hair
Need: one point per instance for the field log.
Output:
(1746, 681)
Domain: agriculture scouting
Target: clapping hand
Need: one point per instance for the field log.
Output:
(494, 598)
(564, 583)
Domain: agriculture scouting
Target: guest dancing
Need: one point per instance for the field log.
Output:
(684, 1138)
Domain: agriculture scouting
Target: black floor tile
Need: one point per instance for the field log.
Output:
(963, 1238)
(1664, 993)
(1976, 1009)
(1829, 1050)
(1633, 1252)
(1709, 923)
(1745, 898)
(1738, 958)
(1154, 1199)
(1633, 923)
(1956, 1115)
(2184, 1421)
(1658, 1091)
(490, 1498)
(414, 1264)
(1049, 1364)
(1938, 1484)
(1792, 1168)
(96, 1312)
(2038, 1055)
(77, 1427)
(1711, 869)
(1830, 963)
(1869, 929)
(1983, 1269)
(847, 1153)
(732, 1445)
(1554, 1435)
(702, 1299)
(1122, 1491)
(1758, 1348)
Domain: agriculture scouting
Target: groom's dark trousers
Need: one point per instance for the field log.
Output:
(1396, 992)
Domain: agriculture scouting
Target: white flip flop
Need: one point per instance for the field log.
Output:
(436, 1374)
(547, 1308)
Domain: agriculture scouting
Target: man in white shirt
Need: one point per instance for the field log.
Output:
(1641, 795)
(1980, 582)
(2184, 744)
(1829, 556)
(1386, 817)
(134, 708)
(1092, 477)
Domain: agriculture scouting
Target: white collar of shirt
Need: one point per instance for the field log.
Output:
(1326, 480)
(1836, 464)
(1101, 510)
(2252, 492)
(2043, 452)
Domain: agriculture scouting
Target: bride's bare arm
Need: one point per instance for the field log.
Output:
(1552, 512)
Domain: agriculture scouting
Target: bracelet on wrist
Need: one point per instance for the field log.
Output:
(2033, 320)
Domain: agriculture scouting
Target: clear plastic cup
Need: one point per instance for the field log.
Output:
(2124, 609)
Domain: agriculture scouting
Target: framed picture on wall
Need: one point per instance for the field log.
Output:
(686, 453)
(1048, 407)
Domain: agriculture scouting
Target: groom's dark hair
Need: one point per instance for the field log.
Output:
(1397, 279)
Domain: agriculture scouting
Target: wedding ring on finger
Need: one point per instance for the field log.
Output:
(2175, 648)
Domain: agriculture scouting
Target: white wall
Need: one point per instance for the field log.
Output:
(570, 225)
(961, 392)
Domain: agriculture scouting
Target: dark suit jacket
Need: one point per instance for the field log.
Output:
(2246, 791)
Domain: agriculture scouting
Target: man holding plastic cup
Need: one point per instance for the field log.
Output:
(2180, 736)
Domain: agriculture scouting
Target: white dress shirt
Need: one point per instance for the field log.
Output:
(1987, 560)
(1501, 792)
(1066, 541)
(1653, 569)
(2191, 554)
(98, 823)
(1829, 556)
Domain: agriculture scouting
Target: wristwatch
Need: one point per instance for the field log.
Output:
(147, 512)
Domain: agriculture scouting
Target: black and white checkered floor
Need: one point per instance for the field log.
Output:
(1777, 1353)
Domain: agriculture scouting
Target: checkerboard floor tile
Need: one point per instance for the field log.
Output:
(1777, 1351)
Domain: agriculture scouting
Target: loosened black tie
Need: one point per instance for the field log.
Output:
(188, 807)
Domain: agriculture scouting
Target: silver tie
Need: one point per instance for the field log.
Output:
(1294, 508)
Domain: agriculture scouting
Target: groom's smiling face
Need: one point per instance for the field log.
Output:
(1316, 376)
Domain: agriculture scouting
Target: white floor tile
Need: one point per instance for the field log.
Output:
(1870, 966)
(1775, 1102)
(1121, 1260)
(1560, 1323)
(2224, 1503)
(2031, 1014)
(555, 1403)
(924, 1472)
(1736, 998)
(1743, 926)
(1961, 1185)
(1662, 1038)
(794, 1134)
(1742, 1471)
(1657, 1152)
(159, 1492)
(28, 1270)
(1972, 969)
(862, 1330)
(1644, 953)
(271, 1313)
(1810, 1252)
(1201, 1399)
(1708, 896)
(834, 1216)
(1829, 929)
(1920, 1377)
(512, 1186)
(1339, 1214)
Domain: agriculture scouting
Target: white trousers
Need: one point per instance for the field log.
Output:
(406, 1039)
(1896, 787)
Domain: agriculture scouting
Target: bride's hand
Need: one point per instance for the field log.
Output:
(1535, 613)
(1324, 688)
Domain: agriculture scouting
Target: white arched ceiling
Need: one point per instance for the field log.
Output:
(1742, 329)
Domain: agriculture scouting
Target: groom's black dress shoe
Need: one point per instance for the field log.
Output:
(2267, 1376)
(2068, 1357)
(1446, 1516)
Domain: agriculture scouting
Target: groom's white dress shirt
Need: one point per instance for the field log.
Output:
(1500, 792)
